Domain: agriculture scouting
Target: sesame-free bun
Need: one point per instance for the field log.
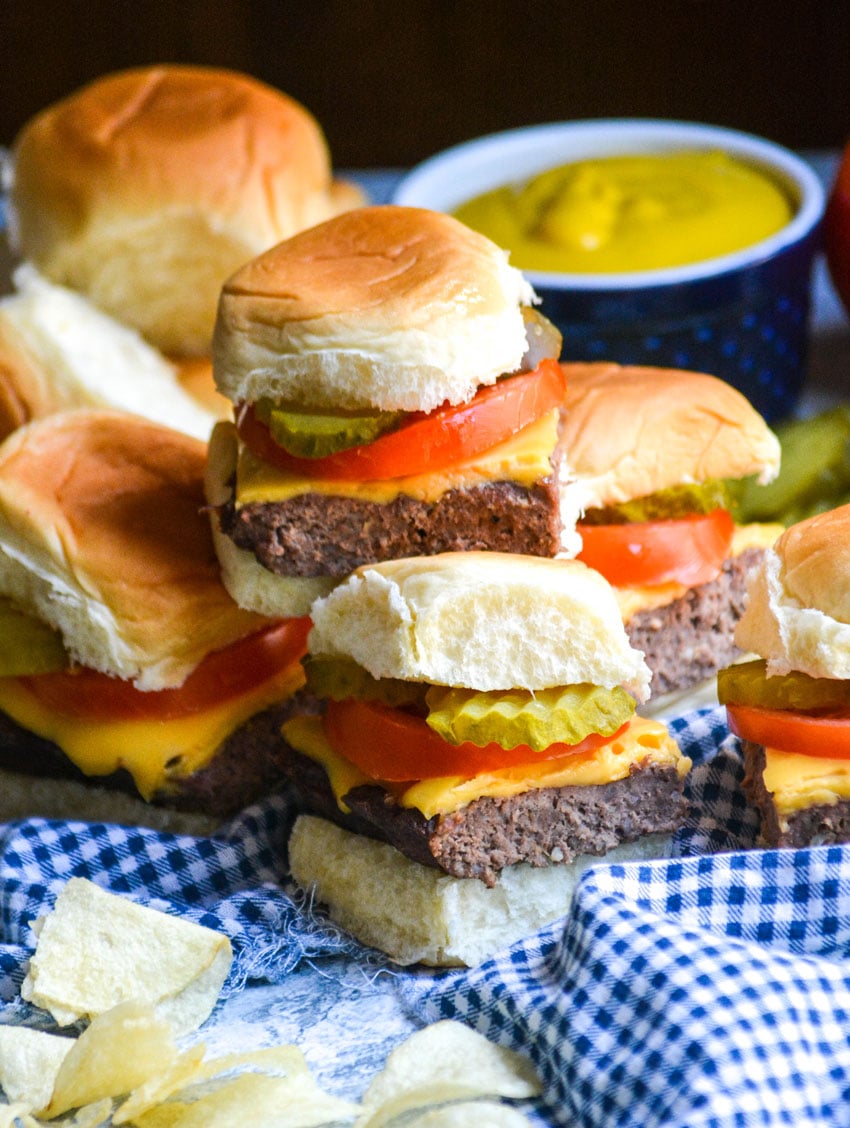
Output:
(418, 914)
(629, 431)
(480, 620)
(58, 351)
(383, 307)
(102, 536)
(798, 610)
(146, 188)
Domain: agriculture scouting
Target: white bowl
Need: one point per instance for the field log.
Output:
(742, 316)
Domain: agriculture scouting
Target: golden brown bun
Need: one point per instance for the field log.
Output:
(630, 431)
(418, 914)
(102, 535)
(145, 189)
(481, 620)
(798, 610)
(385, 307)
(58, 351)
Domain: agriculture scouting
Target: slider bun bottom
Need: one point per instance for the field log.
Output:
(416, 914)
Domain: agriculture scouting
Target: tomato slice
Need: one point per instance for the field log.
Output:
(826, 735)
(425, 442)
(223, 675)
(391, 745)
(689, 550)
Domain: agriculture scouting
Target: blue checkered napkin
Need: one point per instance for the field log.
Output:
(230, 882)
(703, 990)
(719, 817)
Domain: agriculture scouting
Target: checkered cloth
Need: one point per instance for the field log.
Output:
(709, 989)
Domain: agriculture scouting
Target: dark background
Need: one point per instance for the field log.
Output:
(393, 81)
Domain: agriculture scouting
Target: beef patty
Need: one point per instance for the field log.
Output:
(820, 825)
(688, 640)
(325, 535)
(250, 763)
(541, 827)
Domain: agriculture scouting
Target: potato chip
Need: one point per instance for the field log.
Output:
(255, 1098)
(17, 1116)
(188, 1068)
(29, 1063)
(444, 1061)
(91, 1116)
(96, 950)
(485, 1113)
(441, 1104)
(119, 1051)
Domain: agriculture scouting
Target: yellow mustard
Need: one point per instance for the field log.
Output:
(627, 213)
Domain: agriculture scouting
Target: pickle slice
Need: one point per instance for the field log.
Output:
(814, 475)
(747, 683)
(340, 678)
(28, 645)
(677, 501)
(561, 715)
(316, 434)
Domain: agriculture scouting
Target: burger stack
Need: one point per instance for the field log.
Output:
(375, 598)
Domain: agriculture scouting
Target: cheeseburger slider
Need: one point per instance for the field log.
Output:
(58, 351)
(146, 188)
(657, 455)
(791, 706)
(478, 747)
(395, 395)
(122, 657)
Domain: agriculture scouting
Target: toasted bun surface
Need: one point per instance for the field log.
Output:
(628, 432)
(382, 307)
(798, 610)
(148, 187)
(417, 914)
(58, 351)
(102, 536)
(481, 620)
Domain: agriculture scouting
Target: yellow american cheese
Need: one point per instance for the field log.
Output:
(644, 741)
(156, 753)
(645, 598)
(798, 781)
(526, 458)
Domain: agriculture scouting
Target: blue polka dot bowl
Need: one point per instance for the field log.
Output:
(741, 316)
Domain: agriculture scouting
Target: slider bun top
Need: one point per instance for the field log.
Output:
(58, 351)
(146, 188)
(102, 536)
(382, 307)
(629, 431)
(798, 610)
(480, 620)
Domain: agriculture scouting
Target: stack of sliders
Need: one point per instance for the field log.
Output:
(58, 351)
(395, 395)
(479, 746)
(146, 188)
(123, 659)
(791, 706)
(658, 454)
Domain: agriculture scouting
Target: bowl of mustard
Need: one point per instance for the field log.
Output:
(668, 243)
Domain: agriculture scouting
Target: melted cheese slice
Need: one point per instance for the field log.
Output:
(635, 599)
(525, 458)
(644, 741)
(156, 753)
(798, 782)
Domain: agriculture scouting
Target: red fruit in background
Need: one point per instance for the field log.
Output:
(836, 230)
